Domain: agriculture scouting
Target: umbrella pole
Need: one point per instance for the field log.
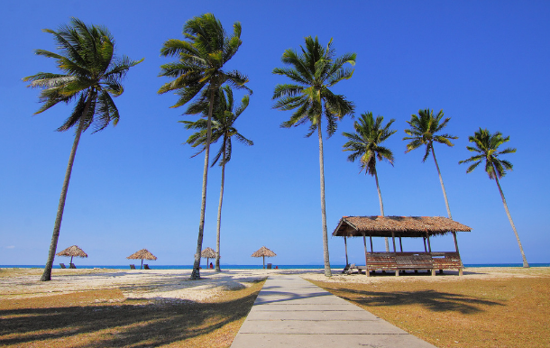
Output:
(141, 264)
(264, 260)
(71, 259)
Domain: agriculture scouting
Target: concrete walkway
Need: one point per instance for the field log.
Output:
(292, 312)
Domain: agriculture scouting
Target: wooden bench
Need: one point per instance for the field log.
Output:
(414, 261)
(382, 262)
(443, 261)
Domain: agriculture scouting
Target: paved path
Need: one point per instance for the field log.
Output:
(291, 312)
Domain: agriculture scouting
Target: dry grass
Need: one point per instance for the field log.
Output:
(104, 318)
(506, 312)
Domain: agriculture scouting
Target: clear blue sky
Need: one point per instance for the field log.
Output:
(486, 64)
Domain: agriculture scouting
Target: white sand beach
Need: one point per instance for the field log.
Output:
(175, 285)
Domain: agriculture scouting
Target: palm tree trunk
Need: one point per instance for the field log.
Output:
(47, 275)
(525, 264)
(328, 273)
(220, 210)
(196, 265)
(381, 206)
(442, 185)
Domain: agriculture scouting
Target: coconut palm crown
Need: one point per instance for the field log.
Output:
(313, 71)
(423, 131)
(365, 142)
(91, 76)
(486, 148)
(201, 57)
(224, 117)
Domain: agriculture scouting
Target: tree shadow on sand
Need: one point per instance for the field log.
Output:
(140, 325)
(432, 300)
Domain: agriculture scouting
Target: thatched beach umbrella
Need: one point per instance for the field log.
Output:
(142, 254)
(208, 254)
(263, 252)
(72, 251)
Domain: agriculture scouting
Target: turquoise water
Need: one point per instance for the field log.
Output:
(236, 267)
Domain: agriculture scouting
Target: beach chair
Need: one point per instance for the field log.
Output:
(269, 265)
(352, 268)
(62, 265)
(146, 266)
(71, 265)
(132, 266)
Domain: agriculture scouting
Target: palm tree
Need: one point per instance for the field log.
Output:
(313, 72)
(222, 127)
(91, 75)
(201, 57)
(486, 147)
(423, 132)
(365, 145)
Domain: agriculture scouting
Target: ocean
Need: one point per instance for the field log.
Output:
(237, 267)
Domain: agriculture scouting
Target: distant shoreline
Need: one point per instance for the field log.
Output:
(253, 267)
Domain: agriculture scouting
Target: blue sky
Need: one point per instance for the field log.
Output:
(135, 186)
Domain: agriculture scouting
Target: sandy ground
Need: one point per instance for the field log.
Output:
(174, 285)
(163, 285)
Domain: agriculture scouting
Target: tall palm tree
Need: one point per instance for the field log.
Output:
(222, 127)
(423, 132)
(313, 71)
(91, 74)
(201, 57)
(486, 146)
(365, 145)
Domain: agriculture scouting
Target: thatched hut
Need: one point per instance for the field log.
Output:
(72, 251)
(264, 252)
(400, 227)
(142, 254)
(208, 254)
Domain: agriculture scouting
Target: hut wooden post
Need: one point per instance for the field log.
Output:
(460, 271)
(72, 257)
(141, 264)
(430, 248)
(371, 248)
(346, 247)
(393, 240)
(456, 243)
(263, 257)
(425, 247)
(366, 263)
(400, 244)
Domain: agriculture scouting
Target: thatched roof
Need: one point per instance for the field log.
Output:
(208, 253)
(401, 226)
(72, 251)
(143, 254)
(263, 251)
